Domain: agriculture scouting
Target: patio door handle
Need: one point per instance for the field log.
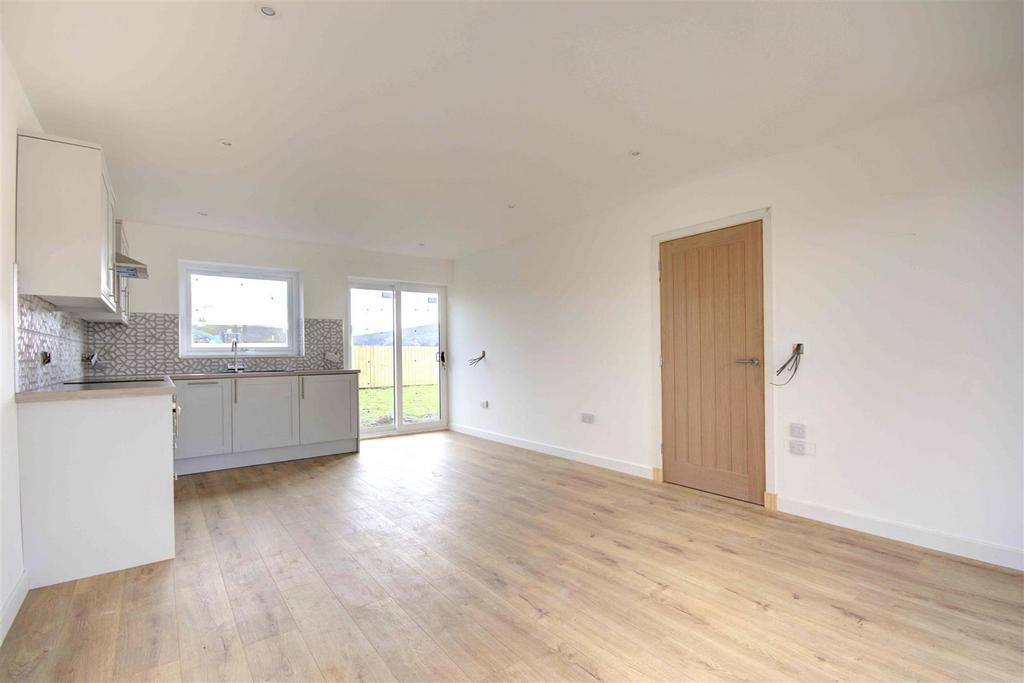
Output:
(440, 358)
(749, 361)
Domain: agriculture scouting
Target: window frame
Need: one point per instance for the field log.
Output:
(187, 268)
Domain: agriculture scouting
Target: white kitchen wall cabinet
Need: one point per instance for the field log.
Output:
(265, 413)
(204, 426)
(122, 294)
(235, 421)
(327, 408)
(66, 235)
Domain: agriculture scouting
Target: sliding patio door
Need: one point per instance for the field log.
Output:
(397, 342)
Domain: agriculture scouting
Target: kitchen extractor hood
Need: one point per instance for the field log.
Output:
(126, 266)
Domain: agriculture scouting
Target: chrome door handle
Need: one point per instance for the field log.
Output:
(749, 361)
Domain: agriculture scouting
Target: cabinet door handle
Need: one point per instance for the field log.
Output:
(176, 412)
(302, 387)
(234, 389)
(196, 384)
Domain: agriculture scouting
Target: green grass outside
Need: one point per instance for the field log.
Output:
(376, 405)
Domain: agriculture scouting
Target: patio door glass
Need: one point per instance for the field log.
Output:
(372, 352)
(421, 357)
(397, 342)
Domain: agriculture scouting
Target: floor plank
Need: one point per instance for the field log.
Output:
(445, 557)
(409, 652)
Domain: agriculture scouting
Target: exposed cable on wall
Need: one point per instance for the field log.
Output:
(476, 361)
(792, 364)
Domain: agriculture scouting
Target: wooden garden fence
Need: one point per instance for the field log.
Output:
(419, 365)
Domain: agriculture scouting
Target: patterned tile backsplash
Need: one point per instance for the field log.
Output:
(42, 328)
(147, 345)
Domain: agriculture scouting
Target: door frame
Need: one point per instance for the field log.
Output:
(397, 286)
(768, 256)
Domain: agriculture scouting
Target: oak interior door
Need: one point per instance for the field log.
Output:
(712, 377)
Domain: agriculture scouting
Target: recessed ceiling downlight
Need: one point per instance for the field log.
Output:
(634, 153)
(268, 11)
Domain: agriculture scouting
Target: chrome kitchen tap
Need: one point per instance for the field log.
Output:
(235, 367)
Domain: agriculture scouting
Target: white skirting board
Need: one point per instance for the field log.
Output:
(578, 456)
(224, 461)
(1004, 556)
(12, 604)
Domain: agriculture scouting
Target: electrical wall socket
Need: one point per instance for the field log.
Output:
(587, 418)
(797, 430)
(798, 447)
(485, 404)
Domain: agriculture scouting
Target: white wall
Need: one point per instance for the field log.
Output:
(325, 268)
(897, 257)
(16, 113)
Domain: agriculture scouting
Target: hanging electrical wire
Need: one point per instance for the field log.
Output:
(792, 364)
(476, 361)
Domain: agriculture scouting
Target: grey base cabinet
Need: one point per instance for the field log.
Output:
(328, 408)
(204, 425)
(265, 413)
(239, 421)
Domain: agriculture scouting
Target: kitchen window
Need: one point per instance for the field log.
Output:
(259, 308)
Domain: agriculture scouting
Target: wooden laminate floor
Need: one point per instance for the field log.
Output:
(440, 557)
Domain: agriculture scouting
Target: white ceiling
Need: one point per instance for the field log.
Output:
(383, 125)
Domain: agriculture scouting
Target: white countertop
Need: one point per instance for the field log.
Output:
(107, 389)
(260, 373)
(111, 388)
